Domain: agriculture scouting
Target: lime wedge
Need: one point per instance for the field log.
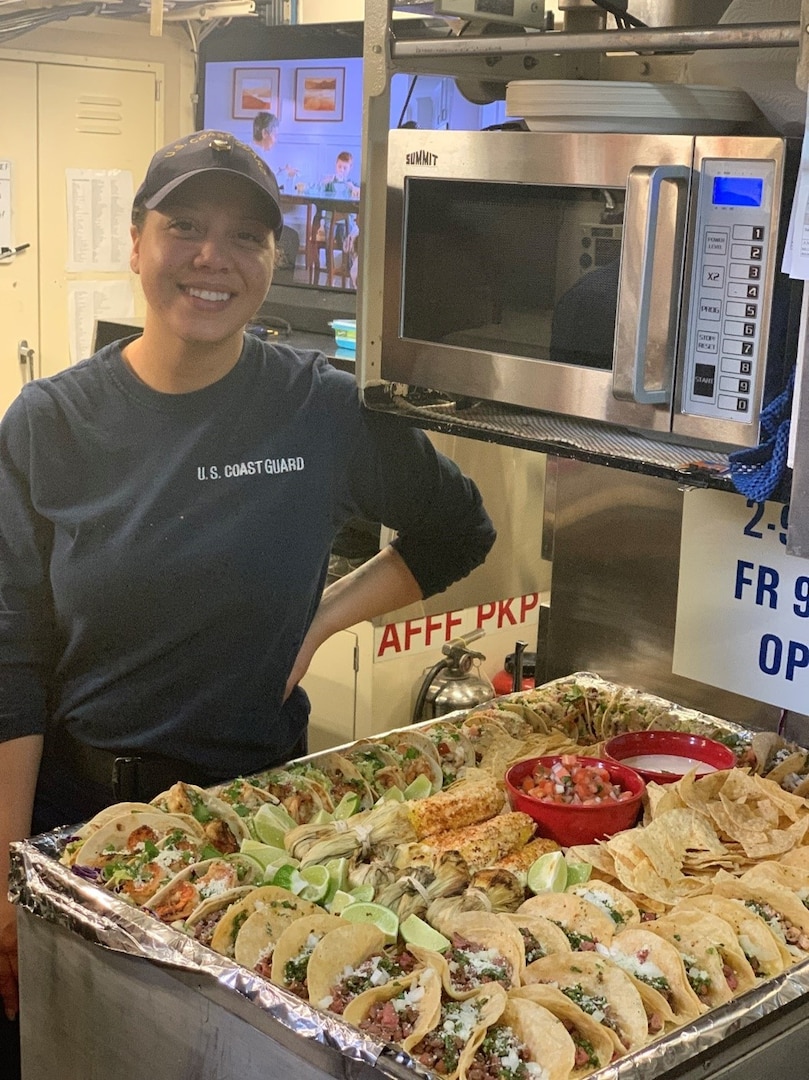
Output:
(548, 873)
(339, 902)
(419, 788)
(271, 823)
(338, 875)
(391, 794)
(264, 854)
(316, 878)
(416, 931)
(321, 817)
(272, 868)
(383, 918)
(348, 805)
(363, 893)
(578, 873)
(289, 877)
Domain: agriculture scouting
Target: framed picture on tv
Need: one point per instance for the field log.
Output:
(256, 90)
(319, 93)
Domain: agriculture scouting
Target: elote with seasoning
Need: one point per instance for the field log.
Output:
(472, 799)
(483, 844)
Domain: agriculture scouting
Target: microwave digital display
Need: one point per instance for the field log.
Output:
(738, 191)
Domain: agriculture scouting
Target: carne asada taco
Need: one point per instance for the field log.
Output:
(352, 959)
(203, 921)
(713, 983)
(593, 1044)
(181, 896)
(455, 751)
(657, 970)
(293, 949)
(526, 1042)
(780, 908)
(601, 989)
(221, 824)
(584, 924)
(484, 948)
(766, 955)
(459, 1024)
(259, 934)
(614, 902)
(540, 936)
(416, 755)
(401, 1011)
(279, 907)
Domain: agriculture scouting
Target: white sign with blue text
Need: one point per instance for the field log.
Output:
(742, 602)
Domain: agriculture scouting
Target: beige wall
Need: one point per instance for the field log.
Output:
(101, 36)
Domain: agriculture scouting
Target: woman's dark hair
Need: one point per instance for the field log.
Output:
(263, 121)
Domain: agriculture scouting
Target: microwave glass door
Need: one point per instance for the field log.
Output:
(525, 269)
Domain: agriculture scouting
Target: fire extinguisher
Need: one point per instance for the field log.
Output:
(518, 673)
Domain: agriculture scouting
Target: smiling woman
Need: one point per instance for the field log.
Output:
(169, 508)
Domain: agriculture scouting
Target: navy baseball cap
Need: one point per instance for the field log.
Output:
(208, 151)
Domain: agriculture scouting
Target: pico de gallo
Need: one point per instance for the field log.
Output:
(572, 781)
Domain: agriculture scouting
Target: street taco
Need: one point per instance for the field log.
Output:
(593, 1044)
(657, 970)
(780, 908)
(766, 955)
(623, 911)
(293, 950)
(454, 750)
(74, 843)
(541, 937)
(203, 921)
(340, 777)
(300, 796)
(377, 766)
(279, 907)
(402, 1011)
(601, 989)
(715, 964)
(244, 797)
(128, 831)
(526, 1042)
(416, 756)
(483, 948)
(352, 959)
(584, 924)
(223, 827)
(181, 896)
(459, 1024)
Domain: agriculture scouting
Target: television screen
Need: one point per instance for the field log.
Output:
(294, 93)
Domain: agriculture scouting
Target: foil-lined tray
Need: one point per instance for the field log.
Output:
(46, 888)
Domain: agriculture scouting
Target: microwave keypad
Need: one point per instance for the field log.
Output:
(724, 333)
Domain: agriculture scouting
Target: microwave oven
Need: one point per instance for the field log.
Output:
(632, 279)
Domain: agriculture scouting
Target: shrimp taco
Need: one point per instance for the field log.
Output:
(585, 924)
(244, 797)
(484, 947)
(416, 755)
(766, 955)
(657, 970)
(177, 900)
(458, 1024)
(593, 1044)
(601, 989)
(455, 751)
(714, 963)
(223, 827)
(401, 1011)
(109, 813)
(526, 1042)
(292, 951)
(278, 907)
(352, 959)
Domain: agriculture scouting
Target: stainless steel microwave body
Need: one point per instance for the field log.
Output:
(616, 277)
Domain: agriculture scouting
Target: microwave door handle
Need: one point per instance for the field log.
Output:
(637, 274)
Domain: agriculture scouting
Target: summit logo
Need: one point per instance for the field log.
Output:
(421, 157)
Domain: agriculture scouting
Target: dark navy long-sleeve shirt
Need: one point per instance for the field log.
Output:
(162, 556)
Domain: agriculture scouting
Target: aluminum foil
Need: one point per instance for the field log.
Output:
(46, 888)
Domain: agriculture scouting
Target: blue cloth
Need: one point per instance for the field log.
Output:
(162, 555)
(756, 472)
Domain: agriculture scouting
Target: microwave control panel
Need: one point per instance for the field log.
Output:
(725, 347)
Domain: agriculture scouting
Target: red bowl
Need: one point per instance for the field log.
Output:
(673, 744)
(570, 824)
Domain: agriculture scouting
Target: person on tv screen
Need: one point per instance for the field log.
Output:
(169, 509)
